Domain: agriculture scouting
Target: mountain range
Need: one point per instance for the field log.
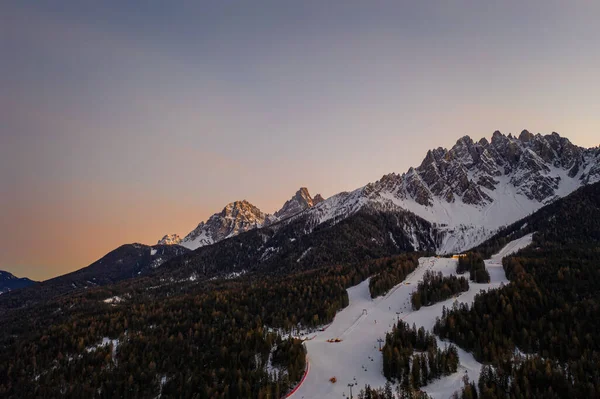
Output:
(454, 200)
(467, 192)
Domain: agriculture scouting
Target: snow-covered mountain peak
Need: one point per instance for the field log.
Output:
(236, 217)
(240, 216)
(299, 202)
(169, 239)
(476, 187)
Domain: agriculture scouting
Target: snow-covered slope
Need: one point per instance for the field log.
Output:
(357, 360)
(475, 188)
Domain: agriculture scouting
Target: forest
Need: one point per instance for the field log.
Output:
(390, 274)
(473, 263)
(414, 370)
(540, 332)
(388, 392)
(215, 340)
(436, 288)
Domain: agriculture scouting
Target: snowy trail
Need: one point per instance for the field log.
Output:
(357, 359)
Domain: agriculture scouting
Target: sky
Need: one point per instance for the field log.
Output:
(124, 121)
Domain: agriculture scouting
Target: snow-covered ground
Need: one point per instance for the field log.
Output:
(357, 360)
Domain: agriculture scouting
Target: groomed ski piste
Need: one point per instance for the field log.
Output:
(356, 359)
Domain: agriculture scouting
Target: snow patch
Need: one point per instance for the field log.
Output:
(114, 300)
(106, 342)
(303, 255)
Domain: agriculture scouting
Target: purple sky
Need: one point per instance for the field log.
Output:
(123, 124)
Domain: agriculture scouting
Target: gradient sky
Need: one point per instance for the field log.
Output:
(123, 121)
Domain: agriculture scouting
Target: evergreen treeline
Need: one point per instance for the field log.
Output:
(473, 263)
(436, 288)
(392, 272)
(535, 377)
(468, 391)
(414, 370)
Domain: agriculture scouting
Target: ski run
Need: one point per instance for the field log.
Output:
(356, 359)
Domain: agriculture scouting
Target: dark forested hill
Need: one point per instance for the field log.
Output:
(127, 261)
(8, 282)
(287, 247)
(183, 339)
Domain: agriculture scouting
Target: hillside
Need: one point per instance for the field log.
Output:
(550, 311)
(126, 262)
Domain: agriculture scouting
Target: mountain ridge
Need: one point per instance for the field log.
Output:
(241, 216)
(125, 262)
(471, 189)
(454, 200)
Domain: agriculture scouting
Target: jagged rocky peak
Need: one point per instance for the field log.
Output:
(169, 239)
(240, 216)
(534, 163)
(525, 136)
(237, 217)
(243, 211)
(299, 202)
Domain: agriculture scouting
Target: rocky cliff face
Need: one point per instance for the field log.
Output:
(536, 166)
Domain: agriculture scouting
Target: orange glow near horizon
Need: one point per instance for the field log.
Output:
(119, 126)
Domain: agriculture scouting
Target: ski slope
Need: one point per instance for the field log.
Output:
(357, 360)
